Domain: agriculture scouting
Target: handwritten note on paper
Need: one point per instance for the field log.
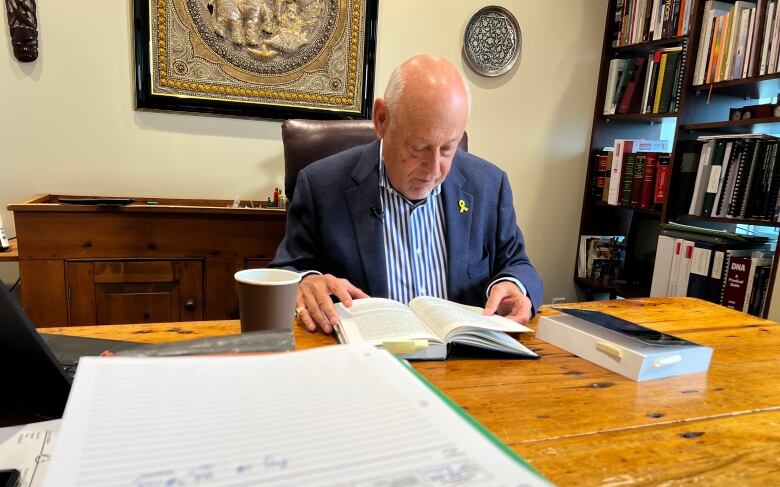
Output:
(321, 417)
(28, 448)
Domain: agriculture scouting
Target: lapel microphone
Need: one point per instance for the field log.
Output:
(378, 212)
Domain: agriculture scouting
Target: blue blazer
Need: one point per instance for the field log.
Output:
(334, 226)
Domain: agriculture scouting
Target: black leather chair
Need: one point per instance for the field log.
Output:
(306, 141)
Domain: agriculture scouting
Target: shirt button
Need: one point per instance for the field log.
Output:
(419, 251)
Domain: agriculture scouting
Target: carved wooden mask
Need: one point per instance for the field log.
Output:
(24, 29)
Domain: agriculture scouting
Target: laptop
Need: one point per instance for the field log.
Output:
(36, 369)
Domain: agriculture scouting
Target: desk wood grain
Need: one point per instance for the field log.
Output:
(581, 424)
(11, 255)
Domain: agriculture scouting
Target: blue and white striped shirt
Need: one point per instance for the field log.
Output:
(415, 247)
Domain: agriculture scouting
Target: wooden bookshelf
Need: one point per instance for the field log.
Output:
(730, 221)
(641, 117)
(735, 126)
(702, 110)
(754, 87)
(648, 46)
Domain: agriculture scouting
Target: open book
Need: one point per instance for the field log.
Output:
(437, 321)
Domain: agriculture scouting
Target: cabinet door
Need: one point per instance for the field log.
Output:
(113, 292)
(221, 294)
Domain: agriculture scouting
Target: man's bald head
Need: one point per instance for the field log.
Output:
(423, 73)
(421, 121)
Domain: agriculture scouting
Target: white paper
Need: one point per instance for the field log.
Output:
(341, 415)
(28, 449)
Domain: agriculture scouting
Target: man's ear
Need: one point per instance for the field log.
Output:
(380, 118)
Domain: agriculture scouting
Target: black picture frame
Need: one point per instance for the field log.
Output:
(147, 100)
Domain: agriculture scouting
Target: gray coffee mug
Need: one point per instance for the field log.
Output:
(266, 298)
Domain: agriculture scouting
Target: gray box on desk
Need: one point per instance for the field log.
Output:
(620, 353)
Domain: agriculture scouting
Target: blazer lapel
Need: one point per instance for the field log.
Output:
(364, 204)
(457, 214)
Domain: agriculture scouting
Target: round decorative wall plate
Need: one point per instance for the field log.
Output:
(492, 41)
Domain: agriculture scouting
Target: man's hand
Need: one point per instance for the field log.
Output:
(314, 301)
(507, 300)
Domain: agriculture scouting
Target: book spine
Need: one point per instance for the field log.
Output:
(735, 285)
(678, 77)
(660, 83)
(745, 196)
(646, 194)
(758, 29)
(629, 100)
(667, 18)
(652, 86)
(714, 178)
(758, 190)
(674, 17)
(774, 186)
(735, 203)
(681, 18)
(672, 63)
(638, 180)
(601, 173)
(661, 181)
(628, 179)
(701, 260)
(715, 285)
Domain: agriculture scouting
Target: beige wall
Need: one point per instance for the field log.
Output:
(67, 123)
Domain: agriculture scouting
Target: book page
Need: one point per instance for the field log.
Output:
(444, 317)
(340, 415)
(375, 320)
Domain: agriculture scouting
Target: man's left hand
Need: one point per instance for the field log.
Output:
(507, 300)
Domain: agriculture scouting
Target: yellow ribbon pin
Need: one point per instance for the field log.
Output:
(463, 207)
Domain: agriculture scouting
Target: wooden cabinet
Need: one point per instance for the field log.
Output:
(111, 292)
(170, 260)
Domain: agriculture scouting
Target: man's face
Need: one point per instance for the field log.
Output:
(419, 141)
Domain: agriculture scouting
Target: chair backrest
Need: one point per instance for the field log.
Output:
(306, 141)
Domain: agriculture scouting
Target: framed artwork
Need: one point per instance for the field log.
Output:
(273, 59)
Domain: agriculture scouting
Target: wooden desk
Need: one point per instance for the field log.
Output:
(580, 424)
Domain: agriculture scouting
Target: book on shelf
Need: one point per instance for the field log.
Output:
(663, 80)
(622, 175)
(436, 324)
(740, 283)
(601, 257)
(600, 174)
(736, 177)
(638, 21)
(737, 40)
(712, 267)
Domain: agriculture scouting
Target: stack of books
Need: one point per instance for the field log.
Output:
(649, 20)
(737, 40)
(635, 174)
(651, 84)
(601, 257)
(733, 272)
(736, 177)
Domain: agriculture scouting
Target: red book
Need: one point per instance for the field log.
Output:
(735, 286)
(661, 180)
(632, 97)
(601, 173)
(646, 194)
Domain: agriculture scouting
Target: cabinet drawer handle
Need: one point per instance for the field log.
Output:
(190, 305)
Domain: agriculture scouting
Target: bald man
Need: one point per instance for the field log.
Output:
(410, 214)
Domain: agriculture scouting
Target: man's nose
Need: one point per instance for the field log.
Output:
(432, 163)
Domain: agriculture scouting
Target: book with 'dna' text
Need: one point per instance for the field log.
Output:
(439, 322)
